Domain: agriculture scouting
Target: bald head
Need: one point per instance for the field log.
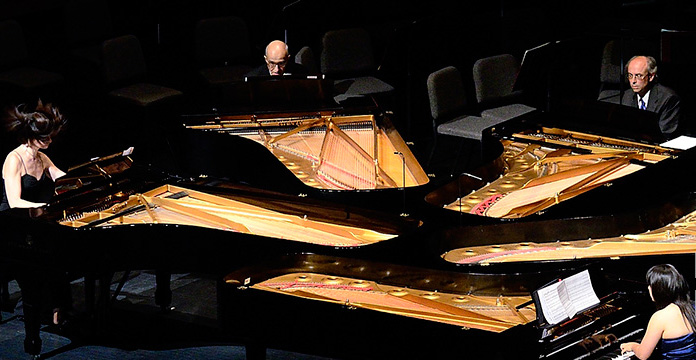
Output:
(276, 57)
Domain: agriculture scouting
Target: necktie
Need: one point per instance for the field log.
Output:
(642, 104)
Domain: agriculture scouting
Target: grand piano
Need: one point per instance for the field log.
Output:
(111, 215)
(605, 198)
(404, 291)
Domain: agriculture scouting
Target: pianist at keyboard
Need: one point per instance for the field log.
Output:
(28, 181)
(28, 174)
(673, 324)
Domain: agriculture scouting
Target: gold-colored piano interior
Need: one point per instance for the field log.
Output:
(333, 152)
(170, 204)
(488, 313)
(676, 238)
(541, 173)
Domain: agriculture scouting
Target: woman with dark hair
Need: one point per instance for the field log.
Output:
(674, 321)
(28, 181)
(28, 175)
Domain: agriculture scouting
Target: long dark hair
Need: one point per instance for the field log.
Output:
(43, 122)
(668, 286)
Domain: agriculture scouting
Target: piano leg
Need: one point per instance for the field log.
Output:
(98, 298)
(163, 291)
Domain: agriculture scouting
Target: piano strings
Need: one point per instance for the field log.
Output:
(678, 237)
(329, 151)
(489, 313)
(548, 168)
(169, 204)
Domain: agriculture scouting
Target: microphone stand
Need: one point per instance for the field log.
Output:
(285, 19)
(403, 180)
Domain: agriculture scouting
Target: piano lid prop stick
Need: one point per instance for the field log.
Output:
(144, 202)
(514, 309)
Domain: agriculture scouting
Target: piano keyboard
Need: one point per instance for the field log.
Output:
(624, 356)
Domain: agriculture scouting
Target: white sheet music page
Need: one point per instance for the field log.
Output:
(681, 143)
(563, 299)
(580, 291)
(551, 305)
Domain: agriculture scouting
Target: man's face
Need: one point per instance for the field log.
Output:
(276, 63)
(638, 76)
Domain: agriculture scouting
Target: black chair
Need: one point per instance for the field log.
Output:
(20, 79)
(448, 108)
(222, 50)
(494, 80)
(306, 58)
(142, 110)
(347, 57)
(125, 75)
(610, 74)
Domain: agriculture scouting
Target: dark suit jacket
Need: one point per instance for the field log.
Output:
(663, 101)
(291, 69)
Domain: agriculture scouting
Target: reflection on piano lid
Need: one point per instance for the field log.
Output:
(543, 168)
(171, 204)
(326, 150)
(678, 237)
(489, 313)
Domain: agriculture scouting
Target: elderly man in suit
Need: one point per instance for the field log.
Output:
(649, 95)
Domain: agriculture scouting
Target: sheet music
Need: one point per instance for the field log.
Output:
(580, 291)
(681, 143)
(564, 299)
(551, 304)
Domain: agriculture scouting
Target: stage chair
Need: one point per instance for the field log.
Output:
(306, 58)
(141, 110)
(494, 79)
(448, 108)
(222, 50)
(610, 74)
(347, 57)
(20, 80)
(125, 74)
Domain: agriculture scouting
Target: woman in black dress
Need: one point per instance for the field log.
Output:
(28, 181)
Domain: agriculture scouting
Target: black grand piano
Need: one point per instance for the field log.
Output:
(615, 203)
(219, 222)
(110, 214)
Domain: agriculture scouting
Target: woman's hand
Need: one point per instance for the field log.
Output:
(626, 347)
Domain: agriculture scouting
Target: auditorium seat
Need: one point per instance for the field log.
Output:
(305, 57)
(450, 112)
(125, 74)
(494, 80)
(137, 105)
(610, 74)
(347, 56)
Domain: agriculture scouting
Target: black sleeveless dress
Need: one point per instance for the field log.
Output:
(34, 190)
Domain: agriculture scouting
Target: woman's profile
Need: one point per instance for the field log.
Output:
(672, 325)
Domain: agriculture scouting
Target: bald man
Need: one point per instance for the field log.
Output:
(647, 94)
(278, 62)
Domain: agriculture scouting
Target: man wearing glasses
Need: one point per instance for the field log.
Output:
(278, 62)
(649, 95)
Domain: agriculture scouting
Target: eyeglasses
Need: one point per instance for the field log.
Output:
(272, 64)
(637, 76)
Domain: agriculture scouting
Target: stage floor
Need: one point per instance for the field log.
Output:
(136, 329)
